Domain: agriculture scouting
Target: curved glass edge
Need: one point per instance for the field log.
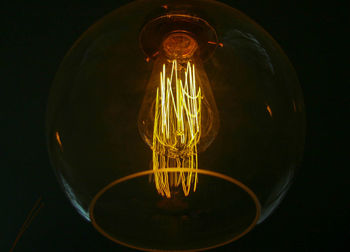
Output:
(204, 172)
(73, 199)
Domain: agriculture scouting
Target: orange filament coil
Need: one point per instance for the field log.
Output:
(177, 130)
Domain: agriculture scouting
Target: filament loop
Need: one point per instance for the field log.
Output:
(177, 130)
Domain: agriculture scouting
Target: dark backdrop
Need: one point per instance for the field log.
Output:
(35, 35)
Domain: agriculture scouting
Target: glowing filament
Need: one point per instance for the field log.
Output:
(177, 129)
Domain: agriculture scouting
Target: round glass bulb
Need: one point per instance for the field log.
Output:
(175, 125)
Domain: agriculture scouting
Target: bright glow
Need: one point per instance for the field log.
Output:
(177, 129)
(59, 140)
(269, 110)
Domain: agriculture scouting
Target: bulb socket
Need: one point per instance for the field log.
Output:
(179, 45)
(179, 35)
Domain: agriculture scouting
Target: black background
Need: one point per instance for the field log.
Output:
(35, 35)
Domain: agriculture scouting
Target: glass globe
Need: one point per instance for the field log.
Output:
(175, 125)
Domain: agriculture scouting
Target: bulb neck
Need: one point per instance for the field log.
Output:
(179, 45)
(179, 35)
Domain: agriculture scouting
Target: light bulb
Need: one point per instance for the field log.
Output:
(175, 125)
(178, 117)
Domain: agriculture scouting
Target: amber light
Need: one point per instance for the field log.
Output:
(177, 117)
(175, 125)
